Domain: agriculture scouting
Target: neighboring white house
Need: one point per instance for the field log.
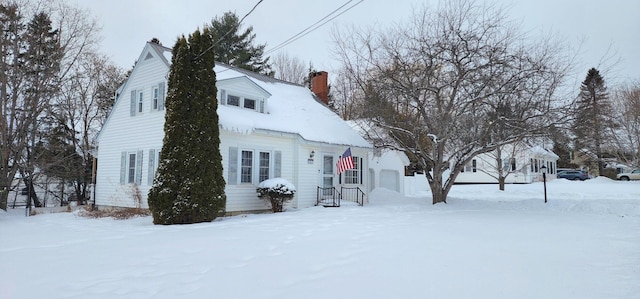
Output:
(522, 162)
(268, 128)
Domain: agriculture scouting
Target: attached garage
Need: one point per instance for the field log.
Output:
(390, 179)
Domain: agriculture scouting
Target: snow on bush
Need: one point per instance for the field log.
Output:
(276, 191)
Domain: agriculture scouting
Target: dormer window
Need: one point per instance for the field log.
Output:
(250, 104)
(242, 93)
(233, 100)
(241, 101)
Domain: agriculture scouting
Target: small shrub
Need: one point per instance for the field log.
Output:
(277, 192)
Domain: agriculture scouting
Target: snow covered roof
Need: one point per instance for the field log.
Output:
(292, 108)
(539, 150)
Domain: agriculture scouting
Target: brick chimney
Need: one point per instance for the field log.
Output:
(320, 85)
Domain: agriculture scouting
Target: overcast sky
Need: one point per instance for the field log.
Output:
(609, 28)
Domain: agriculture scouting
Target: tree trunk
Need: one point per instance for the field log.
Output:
(32, 193)
(438, 193)
(4, 196)
(500, 168)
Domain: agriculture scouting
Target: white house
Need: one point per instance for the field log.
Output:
(268, 128)
(522, 162)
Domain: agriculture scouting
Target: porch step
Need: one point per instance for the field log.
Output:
(330, 205)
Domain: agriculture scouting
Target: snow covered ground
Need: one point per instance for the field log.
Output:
(584, 243)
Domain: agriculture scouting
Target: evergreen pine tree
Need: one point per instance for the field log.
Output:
(237, 48)
(189, 187)
(593, 117)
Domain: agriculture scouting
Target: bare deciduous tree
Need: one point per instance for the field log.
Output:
(29, 62)
(82, 108)
(32, 83)
(289, 68)
(433, 84)
(347, 98)
(626, 106)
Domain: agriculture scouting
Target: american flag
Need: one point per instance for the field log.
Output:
(345, 161)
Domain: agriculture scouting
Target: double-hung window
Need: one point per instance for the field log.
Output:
(233, 100)
(470, 167)
(131, 168)
(265, 166)
(140, 101)
(352, 176)
(156, 98)
(241, 101)
(249, 104)
(250, 166)
(246, 168)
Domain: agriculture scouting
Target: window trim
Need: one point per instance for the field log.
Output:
(131, 164)
(234, 96)
(242, 101)
(250, 167)
(131, 168)
(261, 166)
(253, 165)
(471, 166)
(140, 101)
(353, 176)
(155, 97)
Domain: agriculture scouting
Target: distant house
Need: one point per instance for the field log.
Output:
(268, 128)
(522, 162)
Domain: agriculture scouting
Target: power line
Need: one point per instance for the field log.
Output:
(307, 31)
(299, 33)
(228, 32)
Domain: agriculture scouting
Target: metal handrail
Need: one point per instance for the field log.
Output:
(333, 200)
(359, 197)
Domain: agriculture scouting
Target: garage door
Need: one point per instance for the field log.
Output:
(390, 179)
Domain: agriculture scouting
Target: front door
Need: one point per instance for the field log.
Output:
(327, 175)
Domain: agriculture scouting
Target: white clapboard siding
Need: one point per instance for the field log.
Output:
(126, 133)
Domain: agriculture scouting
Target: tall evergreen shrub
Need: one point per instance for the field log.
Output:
(189, 187)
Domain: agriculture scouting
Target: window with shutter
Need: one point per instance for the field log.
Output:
(131, 171)
(140, 101)
(351, 176)
(265, 166)
(154, 98)
(246, 167)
